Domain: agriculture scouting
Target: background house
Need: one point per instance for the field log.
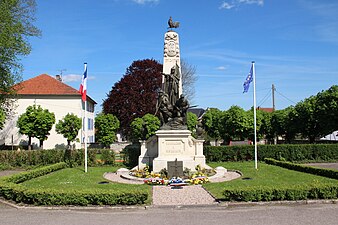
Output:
(50, 93)
(199, 112)
(330, 137)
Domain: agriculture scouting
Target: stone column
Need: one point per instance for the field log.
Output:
(143, 159)
(199, 157)
(171, 55)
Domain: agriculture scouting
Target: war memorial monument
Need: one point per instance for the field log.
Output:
(173, 144)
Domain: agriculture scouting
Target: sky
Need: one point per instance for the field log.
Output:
(294, 44)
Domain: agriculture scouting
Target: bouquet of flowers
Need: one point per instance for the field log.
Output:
(154, 181)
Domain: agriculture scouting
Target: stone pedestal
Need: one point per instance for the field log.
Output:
(149, 151)
(171, 145)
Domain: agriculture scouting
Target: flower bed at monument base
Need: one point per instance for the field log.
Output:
(176, 180)
(198, 177)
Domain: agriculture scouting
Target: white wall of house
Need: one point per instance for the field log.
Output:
(60, 106)
(331, 137)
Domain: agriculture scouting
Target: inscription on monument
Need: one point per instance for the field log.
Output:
(172, 60)
(174, 146)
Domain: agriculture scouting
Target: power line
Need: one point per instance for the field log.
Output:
(264, 99)
(233, 93)
(285, 97)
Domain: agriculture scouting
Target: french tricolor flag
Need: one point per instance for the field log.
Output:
(83, 86)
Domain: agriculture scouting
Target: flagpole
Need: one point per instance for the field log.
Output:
(254, 99)
(85, 128)
(85, 142)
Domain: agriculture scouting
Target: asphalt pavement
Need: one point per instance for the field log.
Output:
(309, 214)
(324, 165)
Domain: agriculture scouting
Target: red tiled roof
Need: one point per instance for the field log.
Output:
(44, 85)
(270, 110)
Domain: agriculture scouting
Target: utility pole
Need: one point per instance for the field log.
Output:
(274, 108)
(273, 97)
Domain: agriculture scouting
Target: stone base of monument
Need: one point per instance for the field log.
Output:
(172, 145)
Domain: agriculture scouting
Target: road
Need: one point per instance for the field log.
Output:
(311, 214)
(324, 165)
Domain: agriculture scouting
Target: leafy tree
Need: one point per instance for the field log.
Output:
(69, 127)
(135, 94)
(2, 118)
(188, 80)
(266, 127)
(137, 130)
(44, 123)
(316, 116)
(192, 123)
(235, 124)
(283, 123)
(36, 122)
(17, 17)
(306, 119)
(327, 109)
(106, 126)
(211, 123)
(143, 128)
(277, 122)
(259, 123)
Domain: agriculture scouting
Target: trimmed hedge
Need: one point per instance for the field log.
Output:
(11, 189)
(304, 152)
(295, 192)
(24, 176)
(303, 168)
(22, 194)
(52, 156)
(255, 194)
(107, 157)
(31, 158)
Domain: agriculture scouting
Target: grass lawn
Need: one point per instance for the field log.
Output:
(76, 179)
(266, 175)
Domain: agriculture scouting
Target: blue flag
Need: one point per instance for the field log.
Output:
(248, 80)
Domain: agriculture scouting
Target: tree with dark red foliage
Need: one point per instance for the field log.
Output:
(135, 94)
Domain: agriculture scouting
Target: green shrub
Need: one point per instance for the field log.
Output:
(22, 194)
(108, 157)
(31, 158)
(303, 168)
(4, 166)
(77, 157)
(130, 154)
(299, 192)
(24, 176)
(304, 152)
(11, 189)
(47, 157)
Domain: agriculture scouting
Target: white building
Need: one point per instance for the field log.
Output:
(50, 93)
(331, 137)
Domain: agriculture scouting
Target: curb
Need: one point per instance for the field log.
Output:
(16, 206)
(276, 203)
(216, 205)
